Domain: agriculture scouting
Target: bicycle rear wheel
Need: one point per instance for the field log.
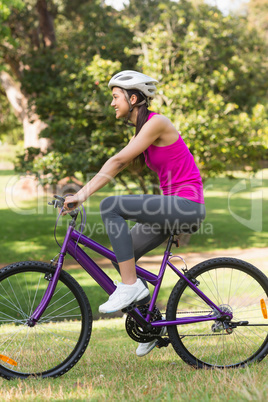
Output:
(236, 287)
(58, 340)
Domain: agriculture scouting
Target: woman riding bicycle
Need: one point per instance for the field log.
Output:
(180, 208)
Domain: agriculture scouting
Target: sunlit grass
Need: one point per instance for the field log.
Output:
(110, 370)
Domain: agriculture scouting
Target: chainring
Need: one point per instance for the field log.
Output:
(139, 334)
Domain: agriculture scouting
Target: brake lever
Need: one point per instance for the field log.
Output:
(58, 203)
(60, 199)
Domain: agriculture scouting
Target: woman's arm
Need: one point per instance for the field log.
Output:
(148, 134)
(109, 170)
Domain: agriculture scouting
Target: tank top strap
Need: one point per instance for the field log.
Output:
(151, 115)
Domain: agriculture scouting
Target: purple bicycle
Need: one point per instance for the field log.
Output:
(216, 315)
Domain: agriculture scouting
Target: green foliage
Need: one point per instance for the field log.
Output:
(6, 8)
(26, 161)
(11, 131)
(102, 33)
(212, 82)
(212, 74)
(7, 39)
(80, 121)
(67, 87)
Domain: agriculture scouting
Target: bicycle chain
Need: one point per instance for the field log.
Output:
(184, 336)
(191, 312)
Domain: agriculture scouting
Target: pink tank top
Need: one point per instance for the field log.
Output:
(176, 169)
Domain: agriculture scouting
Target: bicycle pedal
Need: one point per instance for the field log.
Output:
(162, 343)
(129, 308)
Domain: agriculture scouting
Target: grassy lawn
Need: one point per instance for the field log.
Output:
(110, 370)
(27, 228)
(236, 218)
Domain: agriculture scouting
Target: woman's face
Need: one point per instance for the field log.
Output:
(120, 103)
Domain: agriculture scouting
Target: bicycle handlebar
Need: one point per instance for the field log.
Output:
(59, 202)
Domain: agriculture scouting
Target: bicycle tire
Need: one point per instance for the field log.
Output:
(59, 339)
(237, 287)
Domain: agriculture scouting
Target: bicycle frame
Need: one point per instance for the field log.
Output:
(70, 246)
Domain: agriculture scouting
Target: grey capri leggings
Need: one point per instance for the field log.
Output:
(156, 216)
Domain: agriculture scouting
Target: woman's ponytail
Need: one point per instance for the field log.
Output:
(143, 114)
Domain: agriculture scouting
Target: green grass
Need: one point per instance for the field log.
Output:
(29, 236)
(9, 153)
(20, 294)
(27, 226)
(97, 295)
(110, 370)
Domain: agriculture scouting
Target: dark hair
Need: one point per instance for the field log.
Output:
(142, 118)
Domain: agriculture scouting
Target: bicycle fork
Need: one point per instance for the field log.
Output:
(52, 283)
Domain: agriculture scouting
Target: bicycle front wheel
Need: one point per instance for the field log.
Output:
(58, 340)
(237, 288)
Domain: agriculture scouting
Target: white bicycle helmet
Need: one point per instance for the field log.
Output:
(130, 79)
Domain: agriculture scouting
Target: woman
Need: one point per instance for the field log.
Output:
(181, 207)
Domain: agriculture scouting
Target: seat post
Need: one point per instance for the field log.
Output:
(170, 242)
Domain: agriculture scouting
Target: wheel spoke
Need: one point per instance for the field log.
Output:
(56, 336)
(236, 288)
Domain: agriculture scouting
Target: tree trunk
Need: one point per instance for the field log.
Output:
(46, 24)
(32, 125)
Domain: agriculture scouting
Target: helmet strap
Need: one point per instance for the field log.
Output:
(131, 107)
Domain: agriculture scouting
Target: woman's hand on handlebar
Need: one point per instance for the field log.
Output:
(72, 202)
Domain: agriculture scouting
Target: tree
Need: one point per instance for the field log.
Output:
(211, 68)
(49, 70)
(16, 40)
(66, 85)
(10, 128)
(212, 71)
(8, 122)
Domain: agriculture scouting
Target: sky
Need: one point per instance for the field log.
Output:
(224, 5)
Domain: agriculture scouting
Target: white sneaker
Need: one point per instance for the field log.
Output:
(123, 296)
(145, 348)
